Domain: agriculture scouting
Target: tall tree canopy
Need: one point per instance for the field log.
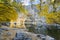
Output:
(52, 17)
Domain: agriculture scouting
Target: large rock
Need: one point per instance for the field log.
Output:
(7, 34)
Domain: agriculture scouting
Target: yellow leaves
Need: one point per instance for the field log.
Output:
(49, 18)
(26, 12)
(44, 11)
(45, 8)
(23, 10)
(7, 12)
(3, 1)
(38, 6)
(53, 18)
(2, 19)
(20, 8)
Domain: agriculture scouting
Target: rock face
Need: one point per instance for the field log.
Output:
(16, 34)
(6, 34)
(22, 36)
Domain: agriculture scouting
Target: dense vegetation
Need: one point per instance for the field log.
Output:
(49, 9)
(7, 13)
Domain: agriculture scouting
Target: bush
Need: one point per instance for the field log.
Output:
(54, 32)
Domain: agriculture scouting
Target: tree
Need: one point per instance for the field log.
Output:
(31, 2)
(40, 4)
(53, 30)
(19, 7)
(7, 13)
(53, 18)
(55, 4)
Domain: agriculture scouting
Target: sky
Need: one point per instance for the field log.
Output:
(27, 2)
